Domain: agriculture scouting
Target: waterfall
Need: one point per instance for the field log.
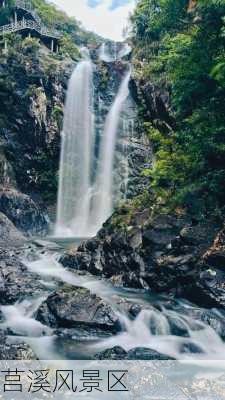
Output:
(114, 52)
(103, 198)
(85, 200)
(125, 51)
(104, 54)
(76, 147)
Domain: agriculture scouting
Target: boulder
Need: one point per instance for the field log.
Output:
(139, 353)
(76, 307)
(215, 255)
(166, 254)
(116, 353)
(24, 213)
(15, 351)
(9, 234)
(142, 353)
(83, 334)
(16, 282)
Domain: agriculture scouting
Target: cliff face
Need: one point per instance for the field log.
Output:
(132, 149)
(33, 87)
(33, 84)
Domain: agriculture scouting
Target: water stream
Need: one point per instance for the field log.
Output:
(114, 52)
(84, 202)
(103, 197)
(77, 140)
(152, 328)
(173, 328)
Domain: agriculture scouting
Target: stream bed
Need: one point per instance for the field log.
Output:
(149, 325)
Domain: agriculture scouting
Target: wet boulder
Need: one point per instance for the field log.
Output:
(9, 234)
(215, 256)
(16, 282)
(162, 253)
(142, 353)
(116, 353)
(14, 351)
(77, 307)
(24, 213)
(139, 353)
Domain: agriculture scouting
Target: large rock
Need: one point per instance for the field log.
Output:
(215, 256)
(139, 353)
(14, 351)
(208, 289)
(74, 307)
(156, 101)
(164, 253)
(115, 353)
(25, 214)
(33, 115)
(16, 282)
(9, 234)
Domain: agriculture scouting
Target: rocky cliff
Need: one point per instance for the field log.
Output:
(33, 88)
(33, 83)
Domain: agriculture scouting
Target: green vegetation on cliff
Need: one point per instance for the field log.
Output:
(179, 47)
(33, 83)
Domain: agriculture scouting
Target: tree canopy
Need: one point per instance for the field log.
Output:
(182, 50)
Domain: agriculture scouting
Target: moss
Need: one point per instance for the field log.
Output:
(57, 114)
(103, 76)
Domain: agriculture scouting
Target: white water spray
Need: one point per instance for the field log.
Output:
(77, 140)
(104, 54)
(103, 198)
(83, 205)
(125, 51)
(116, 53)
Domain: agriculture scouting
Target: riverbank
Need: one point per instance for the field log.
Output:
(49, 311)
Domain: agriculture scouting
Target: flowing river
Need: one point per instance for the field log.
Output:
(172, 328)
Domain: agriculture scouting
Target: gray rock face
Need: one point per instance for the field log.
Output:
(215, 255)
(163, 254)
(16, 282)
(71, 307)
(118, 353)
(132, 147)
(9, 234)
(26, 215)
(156, 101)
(14, 351)
(33, 115)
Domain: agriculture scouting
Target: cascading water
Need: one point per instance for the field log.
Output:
(125, 51)
(84, 205)
(175, 328)
(103, 192)
(113, 53)
(104, 54)
(77, 140)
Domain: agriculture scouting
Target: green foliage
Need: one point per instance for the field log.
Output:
(46, 176)
(103, 77)
(25, 76)
(30, 46)
(218, 70)
(153, 18)
(188, 59)
(68, 47)
(57, 114)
